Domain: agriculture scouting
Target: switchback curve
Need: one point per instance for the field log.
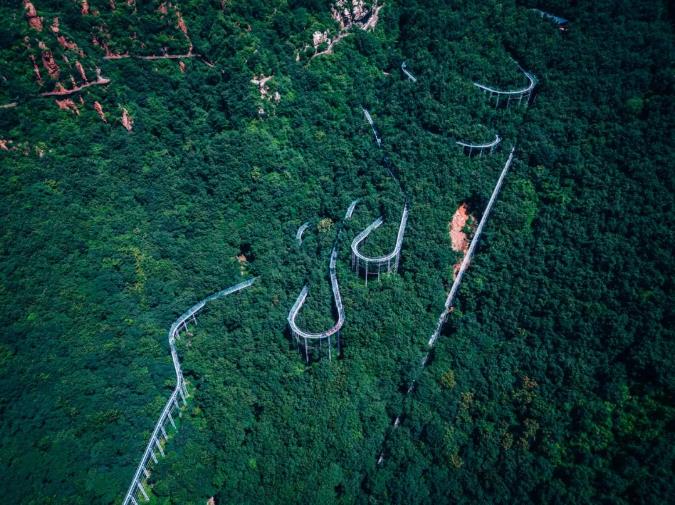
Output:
(311, 340)
(491, 146)
(389, 260)
(301, 230)
(518, 94)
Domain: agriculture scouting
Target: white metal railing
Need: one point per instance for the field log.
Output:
(301, 230)
(511, 94)
(305, 336)
(372, 125)
(560, 21)
(172, 403)
(391, 259)
(481, 147)
(350, 209)
(407, 73)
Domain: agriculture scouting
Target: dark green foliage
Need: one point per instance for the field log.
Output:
(549, 384)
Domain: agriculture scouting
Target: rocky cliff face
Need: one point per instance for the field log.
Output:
(347, 15)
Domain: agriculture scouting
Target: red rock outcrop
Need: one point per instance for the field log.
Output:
(48, 62)
(63, 42)
(36, 69)
(34, 21)
(127, 120)
(80, 69)
(68, 104)
(66, 44)
(458, 237)
(99, 110)
(181, 23)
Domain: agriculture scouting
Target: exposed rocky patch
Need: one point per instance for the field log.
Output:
(34, 21)
(459, 238)
(80, 69)
(127, 120)
(347, 15)
(68, 104)
(264, 90)
(99, 109)
(63, 42)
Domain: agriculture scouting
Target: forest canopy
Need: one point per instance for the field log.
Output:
(153, 153)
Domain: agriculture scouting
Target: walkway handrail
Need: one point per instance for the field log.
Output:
(528, 89)
(374, 225)
(338, 305)
(472, 247)
(560, 21)
(174, 332)
(301, 230)
(496, 141)
(407, 73)
(369, 118)
(350, 209)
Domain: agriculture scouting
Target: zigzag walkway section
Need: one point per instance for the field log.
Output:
(315, 343)
(311, 342)
(374, 265)
(159, 434)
